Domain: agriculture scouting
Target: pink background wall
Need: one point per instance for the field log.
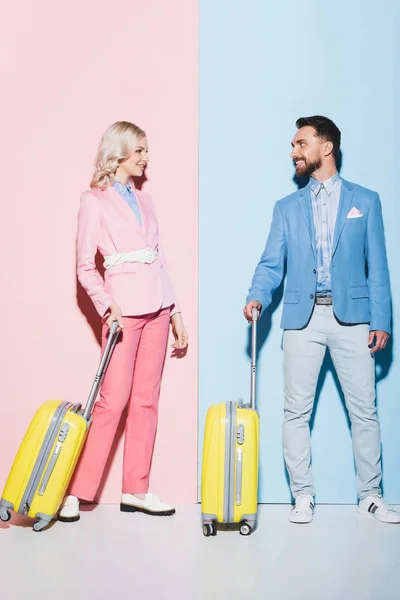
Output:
(69, 71)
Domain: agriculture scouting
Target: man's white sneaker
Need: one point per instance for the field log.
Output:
(69, 511)
(375, 506)
(151, 505)
(303, 510)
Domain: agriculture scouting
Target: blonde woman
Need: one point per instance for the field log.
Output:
(119, 221)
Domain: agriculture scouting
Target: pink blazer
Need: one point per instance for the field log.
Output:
(108, 224)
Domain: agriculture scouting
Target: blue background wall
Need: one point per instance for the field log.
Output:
(262, 65)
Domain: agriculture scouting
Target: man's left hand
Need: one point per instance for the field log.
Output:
(377, 340)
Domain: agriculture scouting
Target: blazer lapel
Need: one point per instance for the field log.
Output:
(143, 211)
(121, 204)
(346, 198)
(306, 211)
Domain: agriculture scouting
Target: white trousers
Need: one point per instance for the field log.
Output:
(304, 352)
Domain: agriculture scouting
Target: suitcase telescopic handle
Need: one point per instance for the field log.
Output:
(254, 315)
(105, 359)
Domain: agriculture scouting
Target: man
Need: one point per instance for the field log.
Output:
(330, 235)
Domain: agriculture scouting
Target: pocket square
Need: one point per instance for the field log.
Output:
(354, 213)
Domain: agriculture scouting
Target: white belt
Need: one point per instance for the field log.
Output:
(147, 255)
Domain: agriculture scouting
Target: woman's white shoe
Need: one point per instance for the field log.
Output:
(69, 511)
(150, 505)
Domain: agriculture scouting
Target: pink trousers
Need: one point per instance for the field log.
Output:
(133, 377)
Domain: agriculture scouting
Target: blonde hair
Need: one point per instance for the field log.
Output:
(117, 144)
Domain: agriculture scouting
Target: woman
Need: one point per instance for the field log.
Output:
(119, 221)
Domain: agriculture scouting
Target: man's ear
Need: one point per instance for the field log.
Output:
(328, 148)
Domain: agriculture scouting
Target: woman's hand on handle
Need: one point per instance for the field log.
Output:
(179, 331)
(115, 315)
(247, 311)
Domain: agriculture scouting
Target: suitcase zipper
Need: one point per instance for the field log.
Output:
(57, 451)
(43, 456)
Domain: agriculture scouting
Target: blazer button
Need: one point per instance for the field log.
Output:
(312, 296)
(314, 271)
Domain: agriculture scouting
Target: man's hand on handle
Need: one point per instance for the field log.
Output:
(248, 309)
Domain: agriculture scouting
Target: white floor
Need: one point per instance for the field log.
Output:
(118, 556)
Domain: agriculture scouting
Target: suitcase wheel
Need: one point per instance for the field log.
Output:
(39, 525)
(209, 529)
(245, 529)
(5, 515)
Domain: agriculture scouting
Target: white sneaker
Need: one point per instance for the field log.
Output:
(151, 505)
(375, 506)
(303, 510)
(69, 511)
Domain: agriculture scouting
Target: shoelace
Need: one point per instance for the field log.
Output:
(303, 502)
(379, 501)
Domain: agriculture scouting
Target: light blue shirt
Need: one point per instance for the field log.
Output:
(129, 196)
(325, 199)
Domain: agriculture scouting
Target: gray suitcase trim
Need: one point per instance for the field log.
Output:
(209, 518)
(228, 420)
(5, 506)
(62, 435)
(229, 463)
(251, 519)
(239, 473)
(232, 456)
(43, 521)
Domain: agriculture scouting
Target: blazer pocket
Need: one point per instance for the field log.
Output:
(360, 291)
(355, 221)
(112, 275)
(291, 298)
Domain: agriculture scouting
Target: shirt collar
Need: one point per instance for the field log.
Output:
(123, 188)
(329, 184)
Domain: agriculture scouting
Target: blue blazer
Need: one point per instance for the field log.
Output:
(359, 269)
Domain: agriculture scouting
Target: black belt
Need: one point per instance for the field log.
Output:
(325, 300)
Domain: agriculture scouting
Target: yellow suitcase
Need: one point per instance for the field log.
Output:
(229, 489)
(49, 452)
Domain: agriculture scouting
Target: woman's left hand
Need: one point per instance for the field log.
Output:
(179, 331)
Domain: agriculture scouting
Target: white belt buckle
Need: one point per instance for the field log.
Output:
(147, 258)
(149, 255)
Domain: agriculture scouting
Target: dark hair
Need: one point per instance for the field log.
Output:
(324, 128)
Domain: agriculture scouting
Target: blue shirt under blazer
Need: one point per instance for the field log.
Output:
(359, 269)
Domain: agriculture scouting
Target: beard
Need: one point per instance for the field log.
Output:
(308, 168)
